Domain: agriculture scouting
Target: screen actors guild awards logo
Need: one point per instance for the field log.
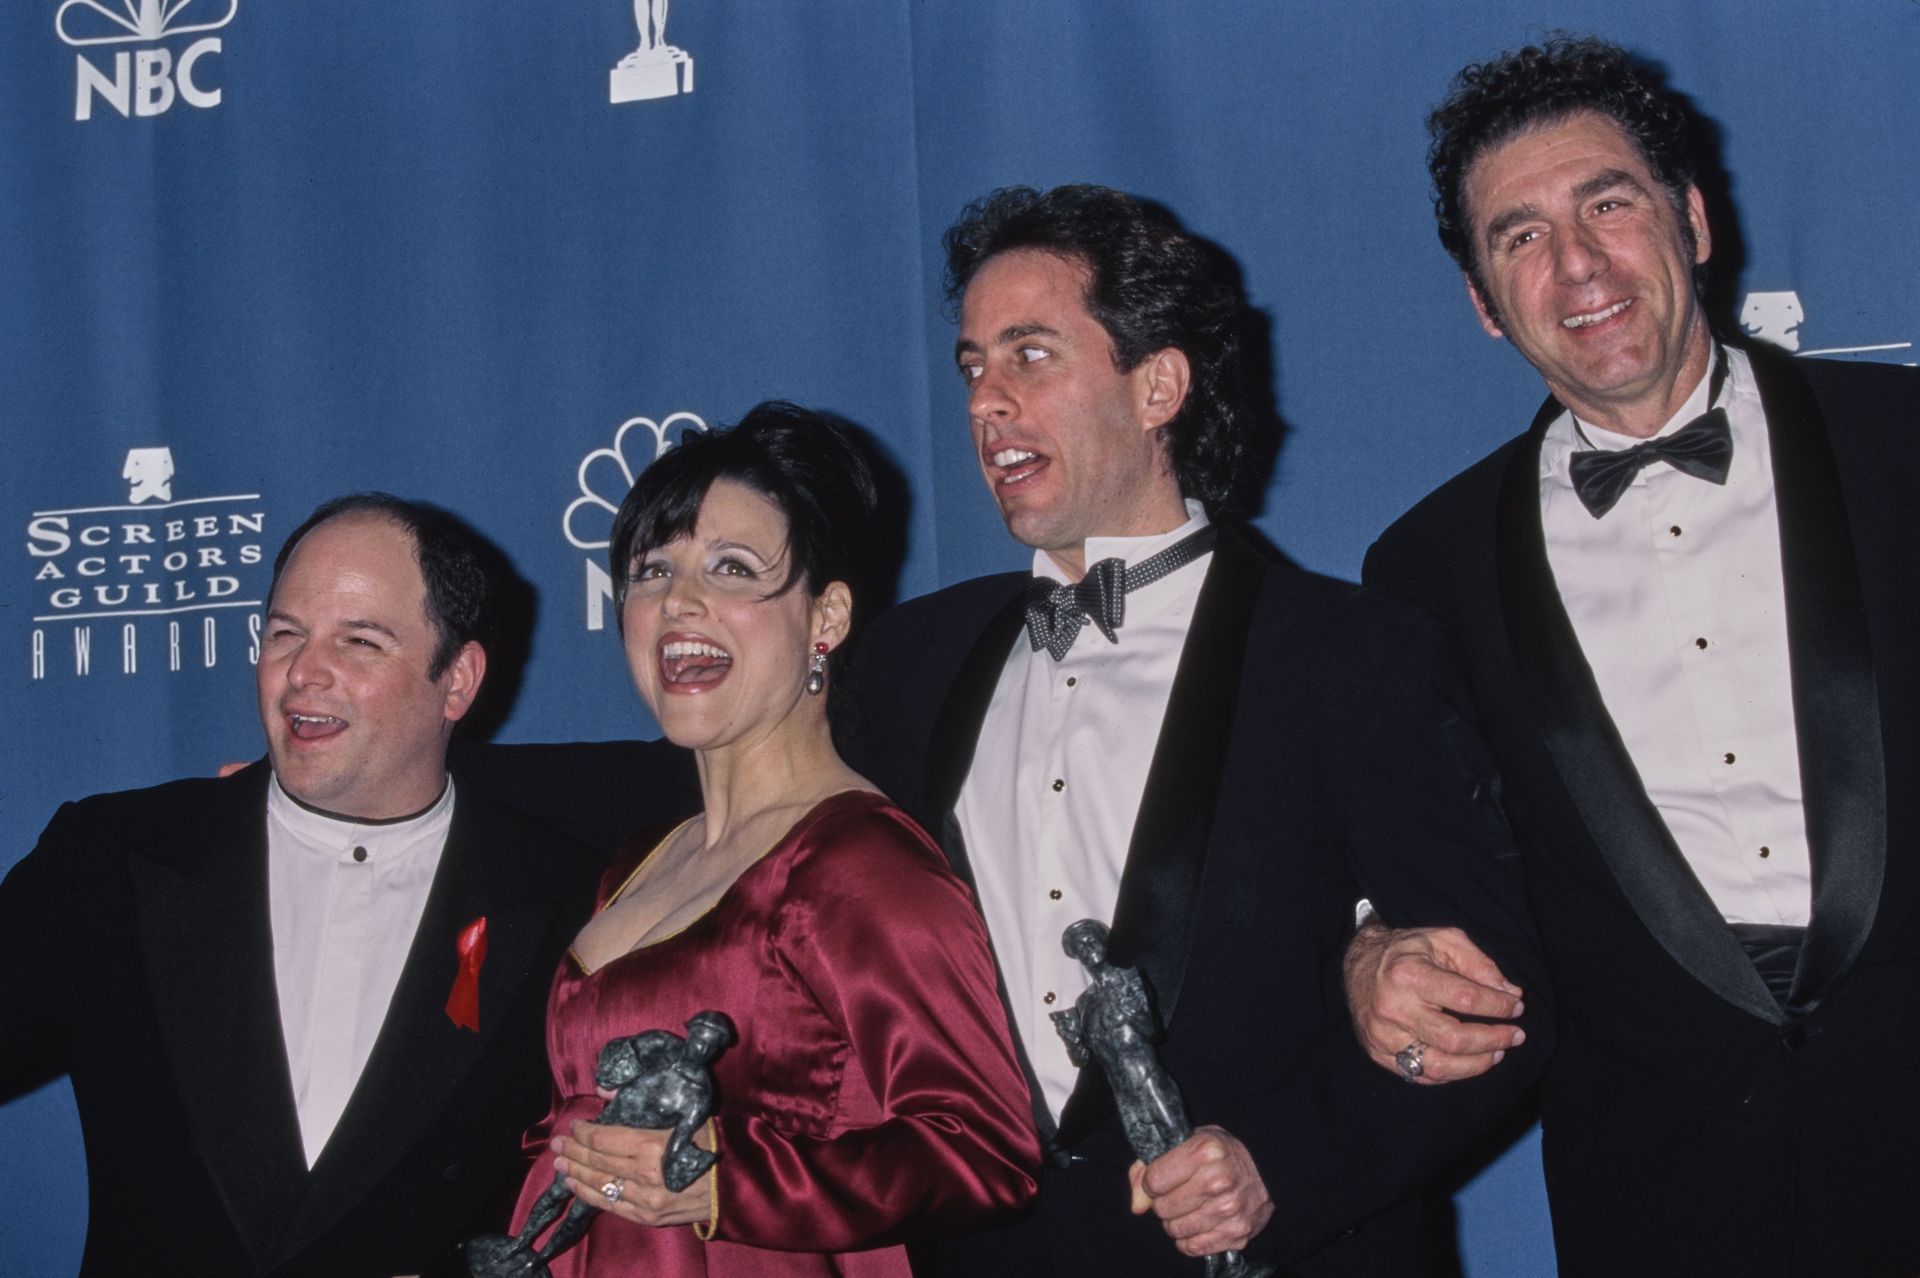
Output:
(655, 69)
(149, 475)
(1773, 317)
(604, 477)
(163, 583)
(148, 81)
(1776, 318)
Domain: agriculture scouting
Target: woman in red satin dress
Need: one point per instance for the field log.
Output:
(873, 1096)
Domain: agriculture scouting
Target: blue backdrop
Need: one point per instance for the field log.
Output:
(258, 253)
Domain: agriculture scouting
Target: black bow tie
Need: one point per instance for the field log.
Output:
(1055, 612)
(1702, 448)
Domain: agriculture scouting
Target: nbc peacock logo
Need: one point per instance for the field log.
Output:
(147, 81)
(604, 476)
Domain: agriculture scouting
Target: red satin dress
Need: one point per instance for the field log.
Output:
(872, 1097)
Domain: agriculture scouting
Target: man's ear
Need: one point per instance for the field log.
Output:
(1697, 220)
(1488, 320)
(1164, 378)
(463, 677)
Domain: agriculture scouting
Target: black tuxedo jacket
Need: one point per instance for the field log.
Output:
(136, 956)
(1692, 1124)
(1315, 749)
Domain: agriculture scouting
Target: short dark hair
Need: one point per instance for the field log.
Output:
(459, 588)
(1544, 85)
(1150, 285)
(801, 461)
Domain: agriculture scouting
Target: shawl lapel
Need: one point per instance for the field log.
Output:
(1836, 703)
(956, 730)
(421, 1059)
(956, 734)
(206, 940)
(1155, 916)
(1590, 757)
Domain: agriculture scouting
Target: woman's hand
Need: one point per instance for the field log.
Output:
(594, 1157)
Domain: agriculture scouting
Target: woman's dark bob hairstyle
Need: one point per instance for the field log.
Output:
(799, 460)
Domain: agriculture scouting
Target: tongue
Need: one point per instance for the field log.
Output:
(699, 668)
(314, 730)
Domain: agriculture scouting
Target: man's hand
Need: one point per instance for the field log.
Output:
(1411, 986)
(1206, 1191)
(596, 1155)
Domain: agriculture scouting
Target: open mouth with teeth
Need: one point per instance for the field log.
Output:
(693, 665)
(1012, 465)
(314, 727)
(1592, 318)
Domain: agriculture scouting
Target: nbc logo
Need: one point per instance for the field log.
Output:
(144, 81)
(604, 477)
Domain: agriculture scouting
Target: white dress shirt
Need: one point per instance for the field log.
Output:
(1048, 808)
(1677, 599)
(345, 898)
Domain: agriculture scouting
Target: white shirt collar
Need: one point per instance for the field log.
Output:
(1570, 433)
(391, 843)
(1130, 550)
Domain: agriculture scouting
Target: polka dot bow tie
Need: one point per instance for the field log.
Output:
(1055, 612)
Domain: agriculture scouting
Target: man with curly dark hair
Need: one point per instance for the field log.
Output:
(1687, 592)
(1166, 728)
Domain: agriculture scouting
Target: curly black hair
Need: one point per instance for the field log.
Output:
(1151, 286)
(1544, 85)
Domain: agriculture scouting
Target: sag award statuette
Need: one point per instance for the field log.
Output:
(1112, 1022)
(650, 71)
(661, 1081)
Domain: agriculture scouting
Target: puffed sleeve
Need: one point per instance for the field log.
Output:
(880, 936)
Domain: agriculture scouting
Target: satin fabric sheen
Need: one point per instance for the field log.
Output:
(872, 1097)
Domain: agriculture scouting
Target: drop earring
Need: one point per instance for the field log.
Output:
(817, 670)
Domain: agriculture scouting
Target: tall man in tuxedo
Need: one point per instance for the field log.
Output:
(1694, 659)
(1166, 728)
(302, 1006)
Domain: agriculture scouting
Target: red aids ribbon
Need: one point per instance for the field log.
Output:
(463, 1004)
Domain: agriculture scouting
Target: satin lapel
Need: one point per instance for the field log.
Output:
(422, 1058)
(1155, 916)
(956, 730)
(206, 938)
(1592, 761)
(1836, 702)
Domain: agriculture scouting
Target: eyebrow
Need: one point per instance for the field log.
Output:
(1498, 228)
(1011, 333)
(356, 623)
(1607, 180)
(740, 545)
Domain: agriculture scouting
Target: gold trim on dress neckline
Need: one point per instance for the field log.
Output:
(620, 891)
